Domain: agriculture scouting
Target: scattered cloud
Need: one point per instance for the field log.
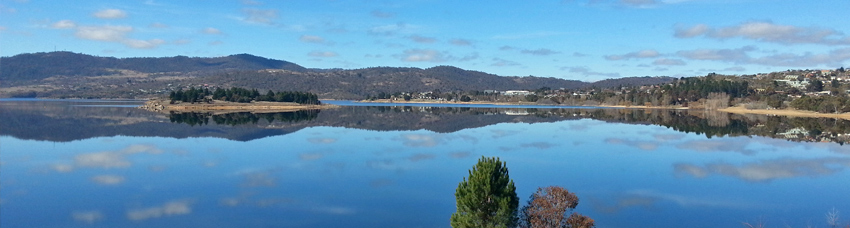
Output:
(110, 14)
(643, 145)
(422, 39)
(727, 55)
(143, 44)
(334, 210)
(538, 145)
(506, 48)
(460, 154)
(323, 54)
(211, 31)
(768, 32)
(736, 68)
(577, 54)
(499, 62)
(101, 160)
(310, 156)
(64, 24)
(728, 145)
(108, 179)
(89, 217)
(541, 51)
(181, 41)
(251, 2)
(173, 208)
(217, 42)
(669, 62)
(311, 39)
(259, 16)
(322, 140)
(420, 157)
(741, 56)
(421, 140)
(390, 30)
(472, 56)
(638, 3)
(382, 14)
(530, 35)
(158, 25)
(584, 71)
(422, 55)
(766, 171)
(630, 55)
(109, 33)
(460, 42)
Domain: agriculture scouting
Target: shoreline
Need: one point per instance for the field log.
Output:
(224, 107)
(789, 112)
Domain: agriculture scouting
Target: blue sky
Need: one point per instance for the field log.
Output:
(586, 40)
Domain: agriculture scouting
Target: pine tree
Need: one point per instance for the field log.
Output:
(488, 198)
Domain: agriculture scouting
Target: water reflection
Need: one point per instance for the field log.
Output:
(73, 122)
(241, 118)
(399, 166)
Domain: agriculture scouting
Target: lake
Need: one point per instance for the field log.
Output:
(95, 163)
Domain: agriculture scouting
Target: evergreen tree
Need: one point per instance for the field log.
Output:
(488, 198)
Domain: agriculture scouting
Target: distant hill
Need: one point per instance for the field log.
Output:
(37, 66)
(82, 75)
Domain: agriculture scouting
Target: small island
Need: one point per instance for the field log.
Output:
(220, 101)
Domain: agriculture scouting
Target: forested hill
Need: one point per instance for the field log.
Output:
(37, 66)
(79, 75)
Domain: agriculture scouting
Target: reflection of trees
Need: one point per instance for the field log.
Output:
(239, 118)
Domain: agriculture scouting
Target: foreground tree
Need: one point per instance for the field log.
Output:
(488, 198)
(548, 208)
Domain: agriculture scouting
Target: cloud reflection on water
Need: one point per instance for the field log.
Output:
(769, 170)
(171, 208)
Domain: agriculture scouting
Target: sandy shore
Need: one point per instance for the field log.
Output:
(785, 112)
(220, 107)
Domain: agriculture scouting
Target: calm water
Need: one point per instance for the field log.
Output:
(103, 164)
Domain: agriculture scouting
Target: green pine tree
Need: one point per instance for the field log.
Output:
(488, 198)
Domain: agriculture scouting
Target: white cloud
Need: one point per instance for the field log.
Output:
(832, 58)
(390, 30)
(211, 31)
(143, 44)
(311, 39)
(110, 14)
(63, 24)
(259, 16)
(322, 54)
(766, 171)
(768, 32)
(422, 55)
(584, 71)
(101, 160)
(638, 54)
(179, 207)
(729, 55)
(103, 33)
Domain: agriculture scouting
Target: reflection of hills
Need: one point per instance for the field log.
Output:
(60, 122)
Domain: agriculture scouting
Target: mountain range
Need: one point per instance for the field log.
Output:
(67, 74)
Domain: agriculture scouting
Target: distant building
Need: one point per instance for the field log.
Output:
(517, 93)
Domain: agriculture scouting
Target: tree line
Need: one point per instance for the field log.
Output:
(242, 95)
